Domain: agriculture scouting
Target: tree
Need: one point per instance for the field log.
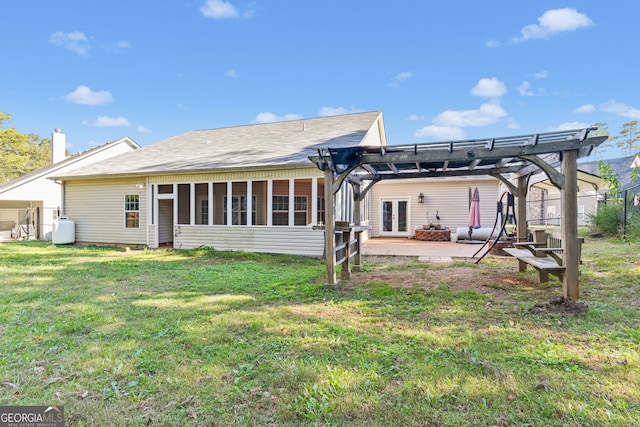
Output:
(603, 130)
(611, 178)
(629, 137)
(20, 153)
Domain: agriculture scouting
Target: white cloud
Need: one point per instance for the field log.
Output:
(143, 129)
(76, 42)
(219, 9)
(440, 132)
(512, 124)
(338, 111)
(586, 108)
(492, 43)
(415, 118)
(488, 113)
(85, 96)
(400, 78)
(525, 89)
(553, 22)
(104, 121)
(118, 46)
(267, 117)
(569, 126)
(231, 73)
(489, 88)
(541, 75)
(621, 109)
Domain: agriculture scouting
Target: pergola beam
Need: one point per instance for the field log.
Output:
(436, 174)
(555, 177)
(496, 154)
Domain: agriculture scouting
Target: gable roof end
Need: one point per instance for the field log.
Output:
(68, 161)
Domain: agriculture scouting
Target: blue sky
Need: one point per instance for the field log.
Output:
(101, 70)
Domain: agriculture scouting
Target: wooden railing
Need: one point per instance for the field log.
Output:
(348, 242)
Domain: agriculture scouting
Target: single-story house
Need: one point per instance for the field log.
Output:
(248, 188)
(31, 203)
(256, 188)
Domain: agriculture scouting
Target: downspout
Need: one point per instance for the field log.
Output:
(62, 194)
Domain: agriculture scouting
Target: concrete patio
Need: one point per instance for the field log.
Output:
(424, 250)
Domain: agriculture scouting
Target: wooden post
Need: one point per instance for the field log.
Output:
(540, 236)
(521, 214)
(329, 228)
(569, 223)
(357, 221)
(345, 270)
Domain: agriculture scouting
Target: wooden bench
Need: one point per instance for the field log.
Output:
(545, 260)
(537, 253)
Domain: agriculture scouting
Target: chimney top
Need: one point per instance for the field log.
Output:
(58, 142)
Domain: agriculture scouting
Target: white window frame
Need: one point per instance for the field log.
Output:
(132, 207)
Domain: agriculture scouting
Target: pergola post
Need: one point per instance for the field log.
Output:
(521, 213)
(357, 222)
(329, 227)
(569, 225)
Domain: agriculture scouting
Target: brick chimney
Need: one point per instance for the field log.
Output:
(58, 149)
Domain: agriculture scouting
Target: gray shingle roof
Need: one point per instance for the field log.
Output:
(252, 146)
(620, 165)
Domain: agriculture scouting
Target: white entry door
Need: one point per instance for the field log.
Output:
(394, 217)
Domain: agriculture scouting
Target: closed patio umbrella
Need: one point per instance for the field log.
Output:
(474, 212)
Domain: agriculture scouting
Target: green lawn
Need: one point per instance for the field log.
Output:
(202, 338)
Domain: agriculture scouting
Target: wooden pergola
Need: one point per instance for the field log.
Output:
(512, 160)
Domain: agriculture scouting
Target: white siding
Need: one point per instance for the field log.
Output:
(97, 208)
(449, 198)
(587, 203)
(152, 237)
(277, 240)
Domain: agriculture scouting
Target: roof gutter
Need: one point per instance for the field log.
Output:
(182, 172)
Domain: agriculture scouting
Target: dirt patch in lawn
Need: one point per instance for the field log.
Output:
(407, 272)
(560, 305)
(497, 277)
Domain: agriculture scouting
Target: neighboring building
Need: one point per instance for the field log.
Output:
(241, 188)
(546, 208)
(31, 203)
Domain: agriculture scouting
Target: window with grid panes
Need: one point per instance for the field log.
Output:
(280, 210)
(320, 218)
(132, 211)
(300, 210)
(239, 210)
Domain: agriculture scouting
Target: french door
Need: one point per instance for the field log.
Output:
(394, 217)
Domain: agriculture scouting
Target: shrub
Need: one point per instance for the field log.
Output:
(606, 220)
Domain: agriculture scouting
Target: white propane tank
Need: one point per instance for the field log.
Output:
(64, 231)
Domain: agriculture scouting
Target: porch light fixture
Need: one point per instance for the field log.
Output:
(140, 185)
(420, 198)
